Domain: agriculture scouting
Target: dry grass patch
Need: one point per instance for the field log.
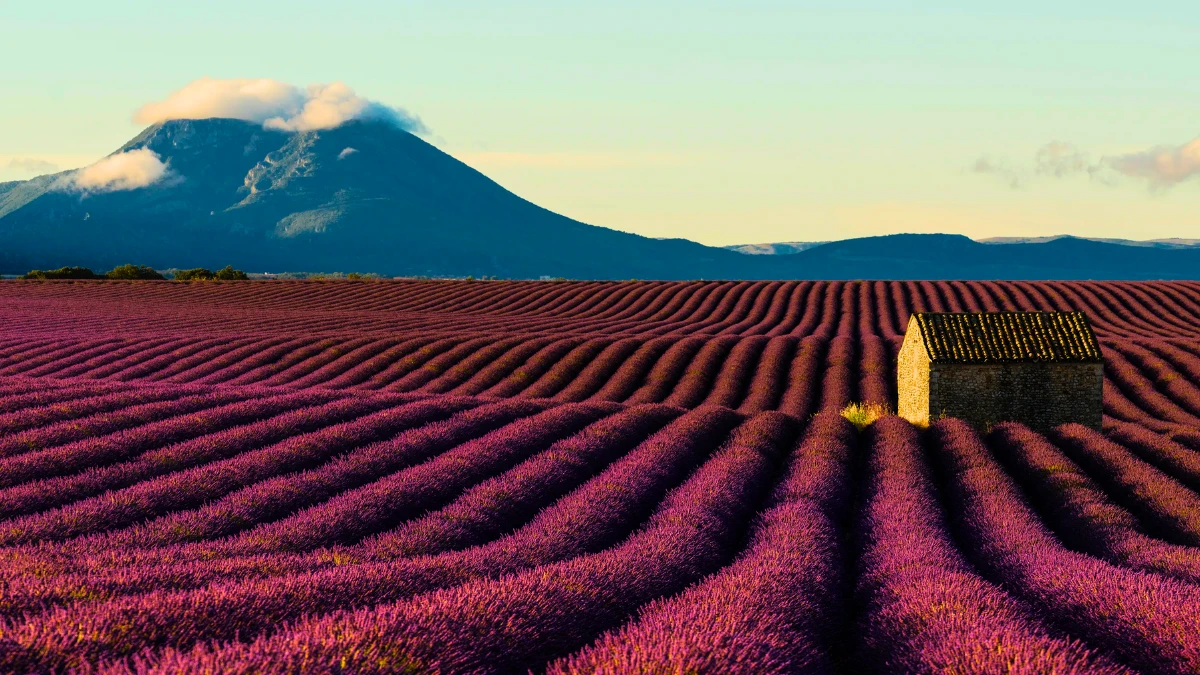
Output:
(862, 415)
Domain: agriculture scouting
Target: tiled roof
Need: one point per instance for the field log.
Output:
(998, 337)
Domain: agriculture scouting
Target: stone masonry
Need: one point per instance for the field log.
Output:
(1042, 369)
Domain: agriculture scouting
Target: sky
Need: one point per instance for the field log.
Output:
(720, 122)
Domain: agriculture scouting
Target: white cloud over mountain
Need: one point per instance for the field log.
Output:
(274, 104)
(123, 171)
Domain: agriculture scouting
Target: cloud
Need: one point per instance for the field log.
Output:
(274, 104)
(1057, 159)
(1061, 159)
(123, 171)
(1013, 177)
(1162, 166)
(346, 152)
(32, 165)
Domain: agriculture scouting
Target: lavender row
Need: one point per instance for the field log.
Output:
(102, 364)
(697, 380)
(778, 608)
(924, 609)
(730, 385)
(154, 406)
(39, 495)
(770, 379)
(1080, 512)
(356, 460)
(600, 371)
(234, 351)
(493, 373)
(453, 364)
(266, 501)
(316, 372)
(563, 371)
(598, 515)
(1168, 508)
(224, 409)
(801, 398)
(244, 358)
(34, 416)
(386, 502)
(534, 368)
(666, 371)
(302, 357)
(1169, 454)
(65, 353)
(144, 368)
(361, 371)
(512, 498)
(192, 487)
(1147, 620)
(520, 621)
(481, 514)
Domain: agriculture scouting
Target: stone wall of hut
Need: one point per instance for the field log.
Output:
(912, 371)
(1041, 395)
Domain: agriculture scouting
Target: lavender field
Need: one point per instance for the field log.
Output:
(578, 477)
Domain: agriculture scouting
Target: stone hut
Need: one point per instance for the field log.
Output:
(1039, 368)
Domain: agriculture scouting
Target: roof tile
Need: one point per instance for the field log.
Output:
(997, 337)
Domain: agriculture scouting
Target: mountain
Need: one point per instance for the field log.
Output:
(364, 196)
(369, 197)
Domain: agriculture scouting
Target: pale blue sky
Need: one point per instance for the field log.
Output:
(722, 122)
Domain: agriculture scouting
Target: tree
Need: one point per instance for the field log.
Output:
(63, 273)
(230, 274)
(196, 274)
(134, 272)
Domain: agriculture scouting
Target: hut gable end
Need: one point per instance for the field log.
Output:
(1039, 368)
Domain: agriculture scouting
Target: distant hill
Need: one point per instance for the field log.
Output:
(787, 247)
(778, 248)
(944, 256)
(1150, 243)
(368, 197)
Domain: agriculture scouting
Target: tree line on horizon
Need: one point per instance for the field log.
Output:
(140, 272)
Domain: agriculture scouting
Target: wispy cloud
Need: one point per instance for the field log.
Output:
(32, 165)
(274, 104)
(1060, 159)
(1056, 159)
(123, 171)
(1012, 176)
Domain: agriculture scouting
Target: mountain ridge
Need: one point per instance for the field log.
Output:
(787, 247)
